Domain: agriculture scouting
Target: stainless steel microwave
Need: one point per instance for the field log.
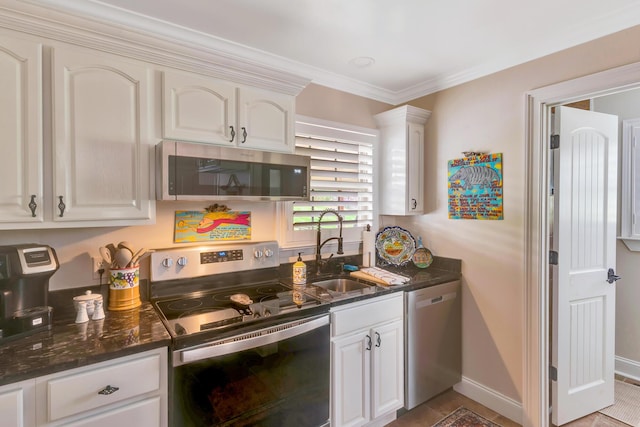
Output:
(194, 171)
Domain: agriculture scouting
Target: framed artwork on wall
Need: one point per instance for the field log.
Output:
(475, 187)
(208, 226)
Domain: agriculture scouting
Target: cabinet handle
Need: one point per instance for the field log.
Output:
(108, 390)
(414, 203)
(368, 343)
(61, 206)
(33, 205)
(378, 340)
(233, 134)
(244, 135)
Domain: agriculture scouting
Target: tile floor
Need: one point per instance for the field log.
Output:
(442, 405)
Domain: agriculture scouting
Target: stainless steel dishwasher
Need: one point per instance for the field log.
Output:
(433, 341)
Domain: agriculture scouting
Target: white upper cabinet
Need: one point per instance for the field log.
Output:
(21, 124)
(402, 160)
(201, 109)
(266, 120)
(195, 108)
(101, 138)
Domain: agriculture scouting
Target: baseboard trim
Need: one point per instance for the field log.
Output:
(493, 400)
(627, 368)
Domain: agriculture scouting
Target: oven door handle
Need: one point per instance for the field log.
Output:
(249, 340)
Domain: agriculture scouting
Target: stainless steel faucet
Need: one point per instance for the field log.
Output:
(319, 245)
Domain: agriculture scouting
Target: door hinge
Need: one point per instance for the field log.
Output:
(553, 373)
(553, 257)
(555, 141)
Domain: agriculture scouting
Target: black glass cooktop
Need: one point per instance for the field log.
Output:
(219, 309)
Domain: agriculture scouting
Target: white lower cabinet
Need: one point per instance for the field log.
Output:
(367, 359)
(16, 404)
(127, 391)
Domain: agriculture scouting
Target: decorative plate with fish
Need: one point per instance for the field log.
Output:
(395, 245)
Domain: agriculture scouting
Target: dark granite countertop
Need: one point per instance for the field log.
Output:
(69, 345)
(442, 270)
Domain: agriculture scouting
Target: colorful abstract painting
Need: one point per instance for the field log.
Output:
(206, 226)
(475, 187)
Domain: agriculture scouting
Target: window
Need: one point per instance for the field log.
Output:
(342, 179)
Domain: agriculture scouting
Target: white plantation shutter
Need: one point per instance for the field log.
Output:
(341, 178)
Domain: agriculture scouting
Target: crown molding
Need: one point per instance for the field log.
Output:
(100, 26)
(165, 49)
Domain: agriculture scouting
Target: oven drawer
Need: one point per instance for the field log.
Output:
(361, 315)
(97, 386)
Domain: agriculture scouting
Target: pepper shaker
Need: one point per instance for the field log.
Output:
(98, 312)
(81, 315)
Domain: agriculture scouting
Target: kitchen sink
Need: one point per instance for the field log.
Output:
(343, 285)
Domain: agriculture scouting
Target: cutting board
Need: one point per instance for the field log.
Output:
(368, 277)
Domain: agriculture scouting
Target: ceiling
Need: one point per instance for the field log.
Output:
(389, 50)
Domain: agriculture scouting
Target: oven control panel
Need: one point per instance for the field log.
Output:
(196, 261)
(221, 256)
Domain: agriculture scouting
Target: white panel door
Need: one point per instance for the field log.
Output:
(17, 404)
(21, 124)
(198, 109)
(101, 140)
(584, 235)
(387, 374)
(415, 170)
(265, 120)
(351, 397)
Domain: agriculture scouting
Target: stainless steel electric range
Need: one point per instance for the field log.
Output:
(247, 350)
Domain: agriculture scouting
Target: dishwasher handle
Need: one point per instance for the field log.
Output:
(427, 301)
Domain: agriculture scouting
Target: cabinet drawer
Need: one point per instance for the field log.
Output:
(361, 316)
(140, 414)
(80, 390)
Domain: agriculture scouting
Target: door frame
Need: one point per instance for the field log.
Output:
(535, 398)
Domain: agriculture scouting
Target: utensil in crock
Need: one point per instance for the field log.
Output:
(106, 255)
(123, 257)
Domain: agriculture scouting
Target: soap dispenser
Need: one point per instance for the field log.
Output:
(299, 271)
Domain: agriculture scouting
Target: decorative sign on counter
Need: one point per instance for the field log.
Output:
(475, 187)
(212, 225)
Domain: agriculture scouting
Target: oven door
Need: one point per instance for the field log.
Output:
(278, 376)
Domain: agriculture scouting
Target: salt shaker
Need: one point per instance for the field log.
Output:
(98, 312)
(81, 315)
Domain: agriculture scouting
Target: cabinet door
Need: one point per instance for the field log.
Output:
(198, 109)
(101, 143)
(17, 404)
(387, 368)
(351, 363)
(415, 168)
(21, 124)
(265, 120)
